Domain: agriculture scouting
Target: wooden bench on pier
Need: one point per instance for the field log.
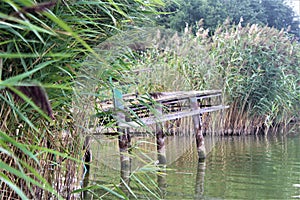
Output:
(133, 111)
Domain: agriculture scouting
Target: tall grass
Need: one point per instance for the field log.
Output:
(55, 46)
(44, 45)
(260, 67)
(256, 67)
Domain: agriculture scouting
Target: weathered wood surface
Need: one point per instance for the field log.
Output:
(132, 100)
(133, 111)
(172, 116)
(175, 105)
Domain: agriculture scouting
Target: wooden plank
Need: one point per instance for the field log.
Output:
(165, 98)
(167, 117)
(136, 106)
(186, 95)
(209, 96)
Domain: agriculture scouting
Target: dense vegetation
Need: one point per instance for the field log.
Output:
(59, 46)
(257, 67)
(45, 44)
(274, 13)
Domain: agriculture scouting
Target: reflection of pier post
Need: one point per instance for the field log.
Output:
(198, 130)
(199, 185)
(85, 183)
(87, 158)
(161, 175)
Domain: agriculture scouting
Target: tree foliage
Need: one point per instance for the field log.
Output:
(274, 13)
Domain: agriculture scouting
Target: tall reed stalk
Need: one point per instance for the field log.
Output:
(256, 67)
(43, 46)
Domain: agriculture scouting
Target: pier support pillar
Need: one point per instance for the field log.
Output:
(161, 152)
(200, 145)
(124, 143)
(125, 160)
(160, 141)
(160, 137)
(198, 130)
(124, 136)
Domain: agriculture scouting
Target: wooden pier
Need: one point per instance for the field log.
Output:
(133, 111)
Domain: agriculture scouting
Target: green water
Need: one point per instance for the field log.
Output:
(245, 167)
(240, 168)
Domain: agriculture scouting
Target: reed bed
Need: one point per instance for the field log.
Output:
(55, 46)
(256, 67)
(34, 158)
(46, 45)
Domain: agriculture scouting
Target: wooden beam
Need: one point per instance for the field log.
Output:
(167, 117)
(130, 100)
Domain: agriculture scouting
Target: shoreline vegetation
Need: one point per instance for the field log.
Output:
(60, 48)
(255, 66)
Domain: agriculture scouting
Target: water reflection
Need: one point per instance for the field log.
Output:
(199, 185)
(257, 167)
(85, 183)
(125, 173)
(252, 167)
(162, 175)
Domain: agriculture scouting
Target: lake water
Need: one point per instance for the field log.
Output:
(239, 167)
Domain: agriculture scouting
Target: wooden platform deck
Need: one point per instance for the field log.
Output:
(133, 111)
(136, 111)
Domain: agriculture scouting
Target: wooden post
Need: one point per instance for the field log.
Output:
(198, 130)
(221, 119)
(160, 136)
(161, 151)
(124, 136)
